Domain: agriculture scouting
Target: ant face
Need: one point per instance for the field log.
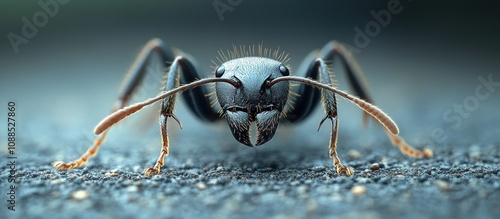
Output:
(253, 99)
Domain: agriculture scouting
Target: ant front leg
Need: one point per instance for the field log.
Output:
(329, 102)
(195, 98)
(308, 97)
(319, 70)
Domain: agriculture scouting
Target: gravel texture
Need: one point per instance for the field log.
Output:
(270, 182)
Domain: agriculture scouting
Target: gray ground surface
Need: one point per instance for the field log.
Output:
(426, 68)
(292, 179)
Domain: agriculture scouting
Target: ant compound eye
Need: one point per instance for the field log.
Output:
(220, 71)
(284, 70)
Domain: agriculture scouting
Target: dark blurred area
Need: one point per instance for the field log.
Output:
(419, 62)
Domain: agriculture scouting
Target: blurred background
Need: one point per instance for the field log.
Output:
(63, 62)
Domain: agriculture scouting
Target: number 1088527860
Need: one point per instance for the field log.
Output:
(11, 127)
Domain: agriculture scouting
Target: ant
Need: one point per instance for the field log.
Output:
(249, 88)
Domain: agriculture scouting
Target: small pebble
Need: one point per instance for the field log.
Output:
(222, 180)
(354, 154)
(201, 186)
(112, 174)
(375, 166)
(213, 181)
(132, 189)
(80, 195)
(442, 185)
(189, 164)
(358, 190)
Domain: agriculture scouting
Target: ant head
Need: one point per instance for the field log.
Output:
(254, 98)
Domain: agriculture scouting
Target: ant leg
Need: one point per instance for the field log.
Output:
(164, 149)
(134, 77)
(329, 102)
(358, 84)
(167, 110)
(84, 158)
(305, 103)
(197, 96)
(333, 150)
